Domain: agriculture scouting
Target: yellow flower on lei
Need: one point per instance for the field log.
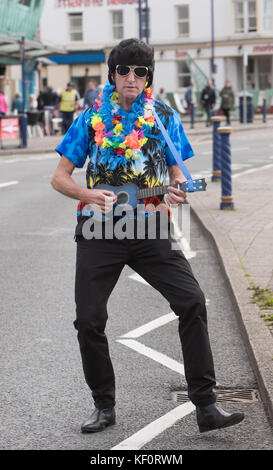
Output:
(128, 153)
(118, 128)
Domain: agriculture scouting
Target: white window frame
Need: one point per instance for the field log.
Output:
(245, 16)
(117, 26)
(72, 29)
(267, 20)
(181, 21)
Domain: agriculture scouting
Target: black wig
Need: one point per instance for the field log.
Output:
(131, 52)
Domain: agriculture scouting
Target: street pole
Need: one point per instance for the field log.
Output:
(245, 61)
(147, 21)
(23, 119)
(22, 57)
(212, 41)
(140, 19)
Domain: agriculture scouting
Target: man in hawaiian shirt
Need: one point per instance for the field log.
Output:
(124, 145)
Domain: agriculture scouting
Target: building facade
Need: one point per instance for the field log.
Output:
(179, 30)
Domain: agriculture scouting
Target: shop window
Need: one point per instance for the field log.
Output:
(117, 21)
(75, 26)
(184, 74)
(265, 72)
(183, 20)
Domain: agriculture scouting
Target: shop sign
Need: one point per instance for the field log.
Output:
(78, 3)
(180, 54)
(263, 49)
(90, 3)
(9, 128)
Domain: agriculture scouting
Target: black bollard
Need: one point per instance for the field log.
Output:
(23, 130)
(192, 108)
(264, 110)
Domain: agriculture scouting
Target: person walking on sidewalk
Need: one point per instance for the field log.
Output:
(124, 143)
(68, 105)
(227, 102)
(3, 104)
(208, 100)
(91, 94)
(190, 100)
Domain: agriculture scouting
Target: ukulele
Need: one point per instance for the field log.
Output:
(129, 196)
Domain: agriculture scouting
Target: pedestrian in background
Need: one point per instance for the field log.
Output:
(3, 104)
(50, 99)
(68, 106)
(91, 93)
(190, 101)
(17, 104)
(32, 103)
(208, 100)
(227, 102)
(161, 96)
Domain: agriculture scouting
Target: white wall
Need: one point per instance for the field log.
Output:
(97, 21)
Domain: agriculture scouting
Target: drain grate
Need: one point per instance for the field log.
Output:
(240, 395)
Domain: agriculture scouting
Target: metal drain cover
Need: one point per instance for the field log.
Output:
(240, 395)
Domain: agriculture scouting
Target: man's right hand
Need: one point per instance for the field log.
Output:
(103, 199)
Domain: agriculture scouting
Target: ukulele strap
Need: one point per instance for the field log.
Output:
(174, 152)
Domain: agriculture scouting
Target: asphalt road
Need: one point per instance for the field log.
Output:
(250, 149)
(44, 396)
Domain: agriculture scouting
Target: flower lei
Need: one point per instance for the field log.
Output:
(124, 136)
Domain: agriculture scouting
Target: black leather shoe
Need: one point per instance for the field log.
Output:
(99, 420)
(213, 417)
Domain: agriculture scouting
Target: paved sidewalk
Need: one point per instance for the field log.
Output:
(244, 243)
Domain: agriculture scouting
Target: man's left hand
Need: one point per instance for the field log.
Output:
(175, 196)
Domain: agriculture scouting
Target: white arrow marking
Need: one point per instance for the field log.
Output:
(149, 432)
(152, 325)
(155, 355)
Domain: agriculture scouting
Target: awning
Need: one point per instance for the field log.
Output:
(10, 49)
(79, 58)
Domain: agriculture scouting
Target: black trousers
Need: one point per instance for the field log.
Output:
(98, 266)
(226, 112)
(67, 120)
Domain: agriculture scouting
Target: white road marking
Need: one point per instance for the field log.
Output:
(149, 432)
(252, 170)
(46, 156)
(8, 183)
(238, 166)
(137, 277)
(152, 325)
(209, 152)
(154, 355)
(183, 242)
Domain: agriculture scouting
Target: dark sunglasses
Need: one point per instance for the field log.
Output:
(140, 71)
